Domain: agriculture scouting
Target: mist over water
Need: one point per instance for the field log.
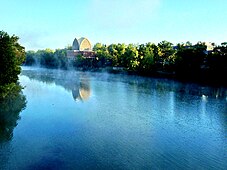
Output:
(90, 120)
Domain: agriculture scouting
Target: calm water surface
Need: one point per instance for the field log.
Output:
(76, 120)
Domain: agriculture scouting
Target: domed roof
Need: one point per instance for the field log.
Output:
(76, 45)
(81, 39)
(81, 44)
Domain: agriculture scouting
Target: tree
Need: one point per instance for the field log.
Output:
(165, 49)
(188, 43)
(217, 63)
(166, 54)
(114, 54)
(48, 59)
(120, 48)
(30, 60)
(189, 60)
(12, 55)
(61, 56)
(103, 57)
(131, 57)
(147, 57)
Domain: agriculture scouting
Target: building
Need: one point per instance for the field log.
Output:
(82, 47)
(82, 44)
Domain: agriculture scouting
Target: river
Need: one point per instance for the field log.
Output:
(89, 120)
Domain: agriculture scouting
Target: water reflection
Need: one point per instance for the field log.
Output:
(130, 122)
(10, 108)
(83, 92)
(77, 83)
(164, 85)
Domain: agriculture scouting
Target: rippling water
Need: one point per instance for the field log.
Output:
(82, 120)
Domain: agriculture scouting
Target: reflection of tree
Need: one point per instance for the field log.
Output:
(10, 108)
(181, 88)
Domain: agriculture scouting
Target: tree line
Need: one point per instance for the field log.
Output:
(184, 61)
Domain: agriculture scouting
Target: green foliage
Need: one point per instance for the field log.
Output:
(30, 60)
(189, 60)
(185, 60)
(217, 63)
(8, 89)
(113, 54)
(47, 58)
(12, 55)
(166, 54)
(182, 61)
(148, 57)
(165, 49)
(83, 62)
(60, 55)
(80, 61)
(103, 58)
(131, 57)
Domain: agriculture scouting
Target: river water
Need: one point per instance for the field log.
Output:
(83, 120)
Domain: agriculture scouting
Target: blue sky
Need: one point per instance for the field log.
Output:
(54, 24)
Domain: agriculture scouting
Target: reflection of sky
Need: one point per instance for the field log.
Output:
(78, 84)
(34, 88)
